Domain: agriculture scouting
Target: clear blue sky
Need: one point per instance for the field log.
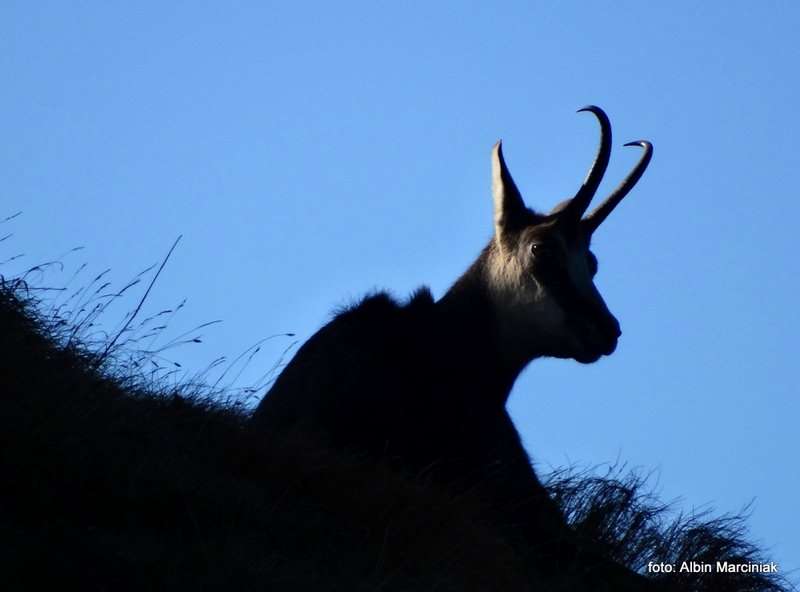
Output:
(311, 152)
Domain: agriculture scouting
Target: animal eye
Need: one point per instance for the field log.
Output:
(544, 254)
(540, 250)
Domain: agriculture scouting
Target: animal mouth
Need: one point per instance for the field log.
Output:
(596, 344)
(588, 358)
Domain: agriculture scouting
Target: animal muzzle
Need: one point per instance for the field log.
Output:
(600, 335)
(606, 335)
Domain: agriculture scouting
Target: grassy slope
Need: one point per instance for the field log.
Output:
(118, 487)
(110, 488)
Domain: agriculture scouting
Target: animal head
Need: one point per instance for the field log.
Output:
(540, 269)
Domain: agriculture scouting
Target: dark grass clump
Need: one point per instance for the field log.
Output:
(116, 479)
(619, 512)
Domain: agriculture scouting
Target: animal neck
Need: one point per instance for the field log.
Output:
(475, 334)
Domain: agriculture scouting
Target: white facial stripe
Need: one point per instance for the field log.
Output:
(525, 308)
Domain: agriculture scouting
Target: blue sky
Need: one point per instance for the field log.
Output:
(309, 153)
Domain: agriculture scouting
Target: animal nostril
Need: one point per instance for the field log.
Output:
(613, 328)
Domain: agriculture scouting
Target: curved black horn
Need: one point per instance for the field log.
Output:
(593, 220)
(578, 204)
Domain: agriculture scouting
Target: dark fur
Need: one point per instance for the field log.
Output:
(422, 386)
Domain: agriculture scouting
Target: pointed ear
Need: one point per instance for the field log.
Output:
(509, 209)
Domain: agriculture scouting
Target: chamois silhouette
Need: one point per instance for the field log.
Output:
(423, 385)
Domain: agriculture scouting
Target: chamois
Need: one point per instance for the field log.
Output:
(423, 385)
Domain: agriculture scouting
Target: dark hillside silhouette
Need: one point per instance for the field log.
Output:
(107, 486)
